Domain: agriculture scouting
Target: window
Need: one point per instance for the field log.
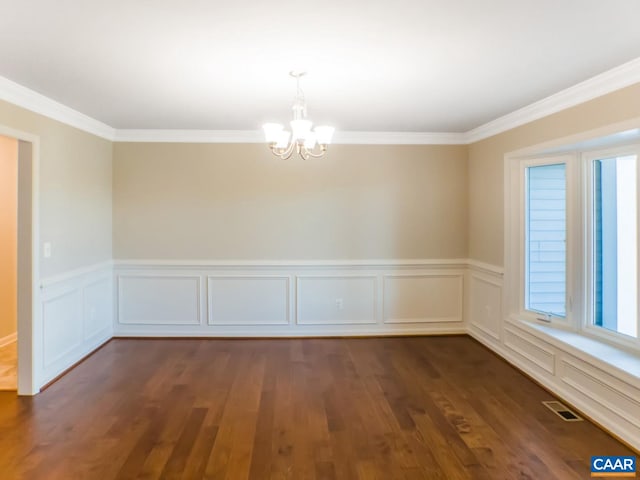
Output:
(571, 241)
(538, 202)
(613, 253)
(545, 237)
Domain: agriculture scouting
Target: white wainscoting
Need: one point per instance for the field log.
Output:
(423, 298)
(76, 317)
(336, 299)
(248, 299)
(159, 299)
(289, 298)
(485, 303)
(602, 391)
(536, 354)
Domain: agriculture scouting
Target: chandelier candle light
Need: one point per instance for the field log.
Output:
(303, 140)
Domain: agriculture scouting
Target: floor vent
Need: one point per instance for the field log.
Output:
(562, 411)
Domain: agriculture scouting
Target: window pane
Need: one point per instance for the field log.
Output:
(615, 261)
(545, 285)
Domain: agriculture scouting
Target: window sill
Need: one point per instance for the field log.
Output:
(589, 349)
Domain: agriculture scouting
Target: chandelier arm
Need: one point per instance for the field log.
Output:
(321, 153)
(285, 154)
(301, 151)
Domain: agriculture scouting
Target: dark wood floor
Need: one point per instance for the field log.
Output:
(388, 408)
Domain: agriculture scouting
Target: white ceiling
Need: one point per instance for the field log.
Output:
(402, 66)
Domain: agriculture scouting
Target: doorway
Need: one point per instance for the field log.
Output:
(19, 259)
(9, 262)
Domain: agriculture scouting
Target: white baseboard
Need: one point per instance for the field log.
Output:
(9, 339)
(290, 333)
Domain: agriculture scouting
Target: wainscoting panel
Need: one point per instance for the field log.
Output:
(159, 299)
(534, 352)
(596, 384)
(248, 300)
(62, 321)
(98, 308)
(335, 299)
(76, 317)
(423, 298)
(485, 298)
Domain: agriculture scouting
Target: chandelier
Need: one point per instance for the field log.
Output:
(304, 141)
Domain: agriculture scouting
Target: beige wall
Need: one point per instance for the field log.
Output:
(8, 234)
(486, 162)
(217, 201)
(75, 190)
(206, 201)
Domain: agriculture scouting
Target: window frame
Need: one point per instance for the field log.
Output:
(579, 238)
(515, 210)
(587, 159)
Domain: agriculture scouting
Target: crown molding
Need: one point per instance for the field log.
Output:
(255, 136)
(28, 99)
(615, 79)
(619, 77)
(399, 138)
(189, 136)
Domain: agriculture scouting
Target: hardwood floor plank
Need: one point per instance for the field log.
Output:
(179, 455)
(437, 408)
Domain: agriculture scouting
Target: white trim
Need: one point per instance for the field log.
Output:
(256, 136)
(399, 138)
(617, 362)
(415, 263)
(71, 274)
(484, 267)
(599, 376)
(189, 136)
(303, 331)
(619, 77)
(615, 79)
(26, 98)
(8, 339)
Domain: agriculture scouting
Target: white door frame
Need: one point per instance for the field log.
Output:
(28, 322)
